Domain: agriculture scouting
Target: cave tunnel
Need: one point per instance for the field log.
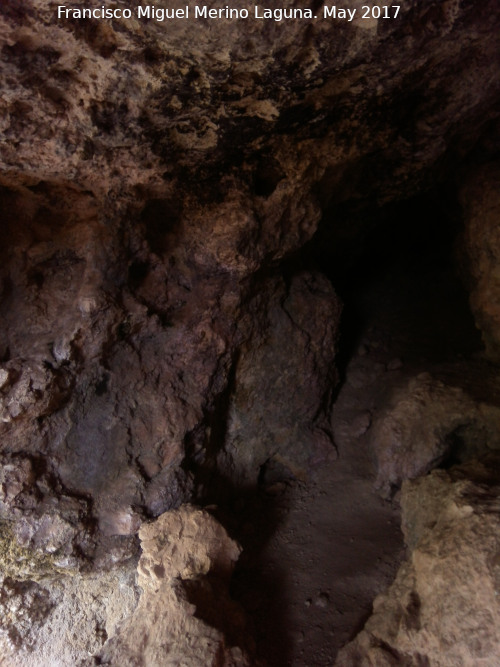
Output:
(250, 336)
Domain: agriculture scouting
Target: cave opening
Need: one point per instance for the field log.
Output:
(397, 269)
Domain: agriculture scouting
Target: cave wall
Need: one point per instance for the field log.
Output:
(481, 250)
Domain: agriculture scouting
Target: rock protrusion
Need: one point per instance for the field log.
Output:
(443, 608)
(428, 424)
(185, 615)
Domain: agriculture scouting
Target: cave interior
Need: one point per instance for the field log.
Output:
(250, 341)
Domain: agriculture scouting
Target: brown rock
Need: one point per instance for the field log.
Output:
(480, 198)
(156, 182)
(184, 613)
(284, 374)
(426, 424)
(59, 621)
(443, 607)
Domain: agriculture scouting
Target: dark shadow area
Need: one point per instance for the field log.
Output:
(396, 270)
(251, 515)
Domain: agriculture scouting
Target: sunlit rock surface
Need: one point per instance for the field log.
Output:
(185, 615)
(442, 608)
(177, 609)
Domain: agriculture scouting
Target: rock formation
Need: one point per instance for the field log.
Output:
(428, 424)
(186, 562)
(481, 247)
(163, 187)
(443, 607)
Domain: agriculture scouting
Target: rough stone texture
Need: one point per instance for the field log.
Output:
(480, 198)
(116, 378)
(154, 178)
(279, 409)
(443, 608)
(175, 610)
(60, 621)
(428, 423)
(184, 615)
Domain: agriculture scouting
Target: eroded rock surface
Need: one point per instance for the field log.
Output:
(157, 181)
(185, 615)
(138, 102)
(279, 409)
(427, 424)
(442, 608)
(149, 195)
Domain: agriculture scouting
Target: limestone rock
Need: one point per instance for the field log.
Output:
(443, 608)
(184, 544)
(429, 423)
(181, 614)
(184, 615)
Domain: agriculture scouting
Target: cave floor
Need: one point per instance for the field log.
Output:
(317, 552)
(329, 546)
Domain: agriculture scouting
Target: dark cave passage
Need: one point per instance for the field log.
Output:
(397, 270)
(317, 552)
